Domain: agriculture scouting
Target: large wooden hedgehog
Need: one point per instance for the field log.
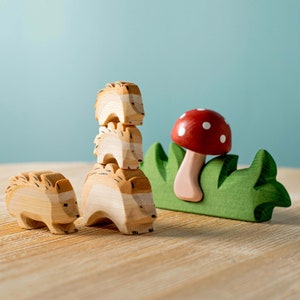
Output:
(120, 195)
(43, 198)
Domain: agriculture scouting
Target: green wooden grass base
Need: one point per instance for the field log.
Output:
(248, 194)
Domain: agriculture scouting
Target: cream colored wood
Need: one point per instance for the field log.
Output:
(120, 143)
(186, 257)
(120, 102)
(42, 198)
(186, 183)
(122, 196)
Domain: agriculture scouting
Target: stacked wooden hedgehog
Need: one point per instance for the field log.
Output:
(116, 189)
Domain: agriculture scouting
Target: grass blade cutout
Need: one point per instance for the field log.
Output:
(248, 194)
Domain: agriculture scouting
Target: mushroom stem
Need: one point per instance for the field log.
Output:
(187, 183)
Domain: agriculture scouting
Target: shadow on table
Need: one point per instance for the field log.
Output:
(288, 216)
(178, 224)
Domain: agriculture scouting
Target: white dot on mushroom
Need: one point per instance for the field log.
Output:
(181, 131)
(182, 116)
(222, 138)
(206, 125)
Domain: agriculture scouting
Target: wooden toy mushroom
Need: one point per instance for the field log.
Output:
(202, 132)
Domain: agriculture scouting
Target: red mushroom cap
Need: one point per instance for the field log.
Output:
(203, 131)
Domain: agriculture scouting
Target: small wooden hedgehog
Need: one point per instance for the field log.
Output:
(43, 198)
(119, 142)
(120, 102)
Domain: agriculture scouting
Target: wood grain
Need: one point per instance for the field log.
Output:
(186, 257)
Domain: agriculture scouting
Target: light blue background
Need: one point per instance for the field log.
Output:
(240, 58)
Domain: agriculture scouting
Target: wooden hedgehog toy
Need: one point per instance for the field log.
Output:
(123, 196)
(116, 188)
(43, 198)
(120, 102)
(121, 143)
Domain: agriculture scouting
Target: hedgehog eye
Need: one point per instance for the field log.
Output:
(65, 204)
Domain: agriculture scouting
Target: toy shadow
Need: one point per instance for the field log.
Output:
(287, 216)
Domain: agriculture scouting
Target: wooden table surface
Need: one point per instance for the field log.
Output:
(186, 257)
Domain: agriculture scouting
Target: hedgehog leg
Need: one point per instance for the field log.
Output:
(136, 228)
(62, 228)
(27, 223)
(22, 222)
